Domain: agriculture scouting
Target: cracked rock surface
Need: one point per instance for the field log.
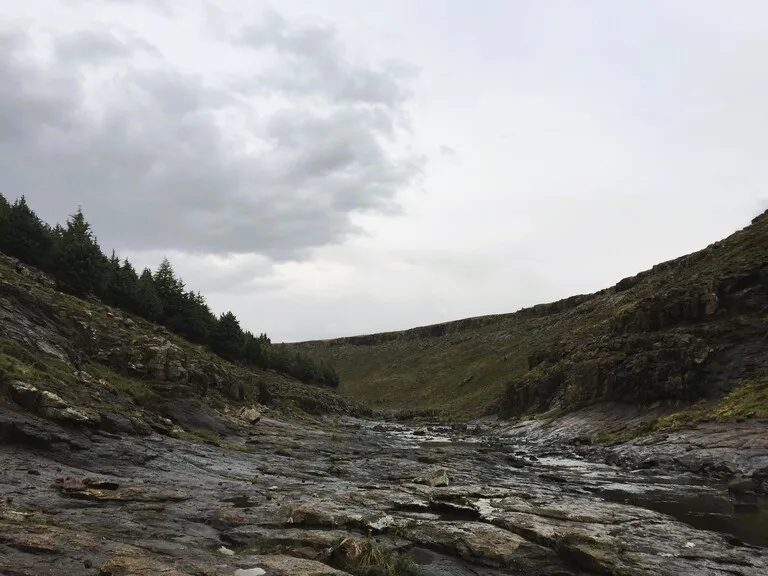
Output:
(356, 497)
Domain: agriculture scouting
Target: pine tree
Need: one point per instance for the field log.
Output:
(228, 338)
(122, 285)
(197, 322)
(5, 214)
(170, 290)
(126, 287)
(80, 265)
(254, 351)
(148, 303)
(5, 209)
(112, 278)
(25, 236)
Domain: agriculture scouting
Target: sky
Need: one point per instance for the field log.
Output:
(327, 168)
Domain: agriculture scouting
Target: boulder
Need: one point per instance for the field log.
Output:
(25, 395)
(250, 415)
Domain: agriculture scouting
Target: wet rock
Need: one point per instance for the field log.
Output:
(109, 492)
(101, 484)
(428, 458)
(249, 572)
(434, 478)
(267, 540)
(290, 566)
(18, 429)
(744, 486)
(147, 505)
(648, 463)
(227, 518)
(517, 461)
(488, 545)
(193, 414)
(553, 477)
(128, 561)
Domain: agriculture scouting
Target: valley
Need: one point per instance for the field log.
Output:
(622, 433)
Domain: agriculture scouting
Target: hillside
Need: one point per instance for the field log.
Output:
(688, 329)
(81, 362)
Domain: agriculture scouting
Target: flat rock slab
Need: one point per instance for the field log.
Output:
(342, 499)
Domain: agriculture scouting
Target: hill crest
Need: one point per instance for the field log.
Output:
(702, 310)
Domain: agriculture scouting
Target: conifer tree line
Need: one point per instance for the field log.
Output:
(72, 256)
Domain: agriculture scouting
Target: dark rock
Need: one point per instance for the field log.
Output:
(744, 486)
(517, 462)
(101, 484)
(116, 423)
(193, 414)
(558, 478)
(25, 395)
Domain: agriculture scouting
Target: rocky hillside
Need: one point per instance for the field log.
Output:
(688, 329)
(84, 363)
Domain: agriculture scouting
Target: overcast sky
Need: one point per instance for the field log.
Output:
(328, 168)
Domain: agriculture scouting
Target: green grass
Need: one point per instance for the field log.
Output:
(204, 436)
(747, 400)
(13, 349)
(9, 368)
(19, 363)
(136, 390)
(367, 558)
(456, 379)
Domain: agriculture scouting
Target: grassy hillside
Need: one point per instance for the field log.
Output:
(81, 362)
(687, 329)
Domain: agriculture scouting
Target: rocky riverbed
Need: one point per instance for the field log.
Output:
(359, 497)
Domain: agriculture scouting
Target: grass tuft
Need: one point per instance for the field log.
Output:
(367, 558)
(205, 436)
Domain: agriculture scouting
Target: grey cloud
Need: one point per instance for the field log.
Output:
(145, 156)
(163, 7)
(314, 65)
(92, 46)
(248, 274)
